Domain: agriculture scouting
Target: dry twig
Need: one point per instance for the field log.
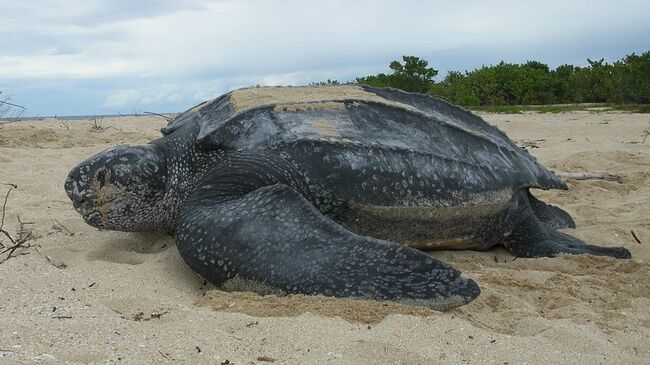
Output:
(140, 316)
(2, 220)
(63, 123)
(265, 358)
(98, 127)
(589, 176)
(160, 115)
(166, 356)
(24, 234)
(59, 265)
(59, 227)
(528, 143)
(97, 124)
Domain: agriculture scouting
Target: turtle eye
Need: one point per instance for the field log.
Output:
(149, 167)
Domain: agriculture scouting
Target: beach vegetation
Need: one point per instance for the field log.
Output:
(531, 86)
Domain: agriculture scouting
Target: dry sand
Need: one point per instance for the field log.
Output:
(88, 296)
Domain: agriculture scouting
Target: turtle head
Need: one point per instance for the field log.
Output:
(120, 188)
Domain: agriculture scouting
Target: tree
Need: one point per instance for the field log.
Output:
(631, 79)
(456, 88)
(563, 87)
(413, 76)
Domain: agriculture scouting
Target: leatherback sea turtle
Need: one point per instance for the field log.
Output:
(330, 190)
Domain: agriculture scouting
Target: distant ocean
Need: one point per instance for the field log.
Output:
(79, 117)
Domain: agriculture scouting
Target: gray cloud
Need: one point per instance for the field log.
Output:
(167, 54)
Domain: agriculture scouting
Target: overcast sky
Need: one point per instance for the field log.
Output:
(72, 57)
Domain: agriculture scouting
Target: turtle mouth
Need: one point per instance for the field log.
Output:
(83, 206)
(94, 219)
(92, 213)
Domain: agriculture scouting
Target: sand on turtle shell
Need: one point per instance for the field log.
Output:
(79, 295)
(291, 98)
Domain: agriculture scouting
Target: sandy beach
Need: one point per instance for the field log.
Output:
(80, 295)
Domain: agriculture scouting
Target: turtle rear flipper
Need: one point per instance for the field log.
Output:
(553, 216)
(531, 237)
(275, 237)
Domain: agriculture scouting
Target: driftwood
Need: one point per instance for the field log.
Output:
(589, 176)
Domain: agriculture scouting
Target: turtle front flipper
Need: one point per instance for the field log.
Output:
(275, 237)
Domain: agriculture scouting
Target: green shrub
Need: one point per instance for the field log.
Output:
(531, 83)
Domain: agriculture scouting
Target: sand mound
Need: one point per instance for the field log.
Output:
(59, 134)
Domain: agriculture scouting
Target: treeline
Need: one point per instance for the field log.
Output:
(626, 81)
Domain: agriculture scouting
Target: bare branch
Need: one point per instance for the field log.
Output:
(4, 206)
(160, 115)
(67, 127)
(13, 111)
(24, 234)
(12, 104)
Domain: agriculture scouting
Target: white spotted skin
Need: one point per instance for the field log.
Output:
(275, 237)
(187, 166)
